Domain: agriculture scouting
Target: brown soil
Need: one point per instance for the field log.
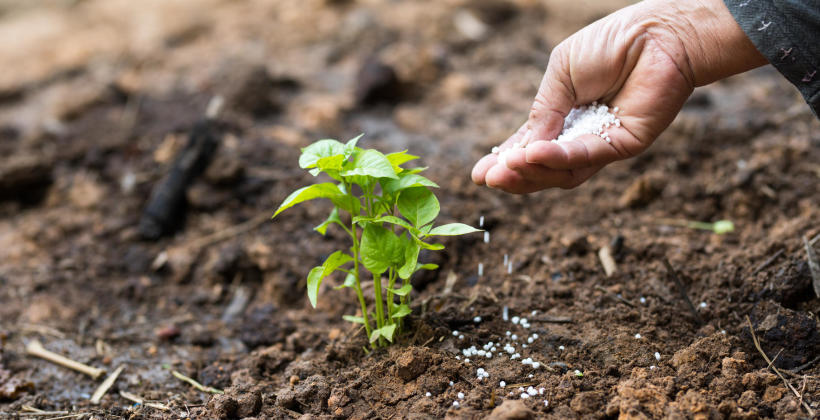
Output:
(97, 97)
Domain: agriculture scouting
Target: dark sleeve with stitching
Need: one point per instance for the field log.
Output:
(787, 33)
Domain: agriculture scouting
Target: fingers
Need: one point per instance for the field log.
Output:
(485, 163)
(555, 97)
(583, 151)
(533, 178)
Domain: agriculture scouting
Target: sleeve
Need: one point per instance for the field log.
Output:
(787, 33)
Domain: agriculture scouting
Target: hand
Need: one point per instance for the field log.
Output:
(646, 60)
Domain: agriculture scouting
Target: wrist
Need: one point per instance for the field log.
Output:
(715, 46)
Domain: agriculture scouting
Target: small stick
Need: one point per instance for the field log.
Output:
(803, 366)
(36, 349)
(554, 320)
(774, 368)
(106, 385)
(814, 265)
(768, 261)
(621, 298)
(196, 384)
(605, 255)
(139, 400)
(681, 290)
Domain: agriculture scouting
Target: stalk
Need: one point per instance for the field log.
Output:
(377, 287)
(390, 282)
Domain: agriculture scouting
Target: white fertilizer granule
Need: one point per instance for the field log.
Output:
(587, 119)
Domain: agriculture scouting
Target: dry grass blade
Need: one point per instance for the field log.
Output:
(774, 368)
(106, 385)
(36, 349)
(605, 255)
(139, 400)
(682, 290)
(196, 384)
(814, 265)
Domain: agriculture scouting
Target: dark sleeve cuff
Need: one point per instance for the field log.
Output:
(787, 33)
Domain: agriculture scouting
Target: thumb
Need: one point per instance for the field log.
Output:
(555, 97)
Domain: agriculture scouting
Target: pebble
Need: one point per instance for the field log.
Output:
(461, 395)
(428, 394)
(638, 336)
(455, 403)
(657, 356)
(477, 319)
(455, 333)
(502, 384)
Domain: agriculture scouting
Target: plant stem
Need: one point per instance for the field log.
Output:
(358, 285)
(377, 287)
(391, 280)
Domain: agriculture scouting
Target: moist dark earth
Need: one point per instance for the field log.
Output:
(99, 98)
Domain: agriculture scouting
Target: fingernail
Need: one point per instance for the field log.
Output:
(527, 138)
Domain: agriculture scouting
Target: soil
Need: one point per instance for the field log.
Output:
(102, 95)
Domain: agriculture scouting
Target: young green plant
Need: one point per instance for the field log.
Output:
(388, 212)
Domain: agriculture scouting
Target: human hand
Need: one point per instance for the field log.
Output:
(646, 60)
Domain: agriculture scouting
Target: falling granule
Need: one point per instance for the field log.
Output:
(505, 314)
(481, 221)
(703, 304)
(638, 336)
(524, 395)
(451, 383)
(561, 348)
(428, 394)
(480, 269)
(657, 356)
(509, 267)
(506, 260)
(455, 333)
(588, 119)
(642, 300)
(455, 403)
(486, 237)
(461, 395)
(546, 403)
(477, 319)
(502, 384)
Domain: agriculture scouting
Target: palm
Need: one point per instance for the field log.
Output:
(639, 74)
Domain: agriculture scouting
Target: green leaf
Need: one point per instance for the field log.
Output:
(386, 219)
(380, 249)
(416, 170)
(405, 181)
(432, 247)
(372, 163)
(323, 190)
(331, 163)
(318, 150)
(418, 205)
(387, 332)
(353, 319)
(333, 218)
(334, 261)
(314, 280)
(350, 281)
(399, 158)
(401, 311)
(350, 146)
(453, 229)
(411, 256)
(427, 267)
(404, 290)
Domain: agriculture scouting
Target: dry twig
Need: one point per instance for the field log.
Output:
(814, 265)
(36, 349)
(682, 290)
(775, 369)
(139, 400)
(196, 384)
(106, 385)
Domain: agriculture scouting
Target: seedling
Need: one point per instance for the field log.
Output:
(720, 227)
(388, 212)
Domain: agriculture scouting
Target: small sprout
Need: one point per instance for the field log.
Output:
(578, 373)
(388, 212)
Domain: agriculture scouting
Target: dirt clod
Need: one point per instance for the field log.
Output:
(779, 327)
(223, 407)
(412, 363)
(511, 410)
